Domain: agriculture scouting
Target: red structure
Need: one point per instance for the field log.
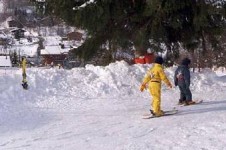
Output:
(146, 59)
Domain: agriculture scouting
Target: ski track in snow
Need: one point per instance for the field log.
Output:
(100, 108)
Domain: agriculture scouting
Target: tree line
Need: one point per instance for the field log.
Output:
(197, 26)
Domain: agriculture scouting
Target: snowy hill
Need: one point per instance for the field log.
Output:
(100, 108)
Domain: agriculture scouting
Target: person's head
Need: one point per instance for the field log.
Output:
(23, 57)
(186, 61)
(159, 60)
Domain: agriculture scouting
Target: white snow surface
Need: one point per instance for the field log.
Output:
(100, 108)
(5, 61)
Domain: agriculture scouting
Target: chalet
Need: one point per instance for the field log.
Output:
(18, 33)
(76, 36)
(14, 23)
(54, 54)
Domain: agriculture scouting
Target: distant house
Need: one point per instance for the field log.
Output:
(18, 33)
(77, 36)
(14, 23)
(5, 61)
(54, 54)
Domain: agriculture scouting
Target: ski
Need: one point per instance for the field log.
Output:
(195, 103)
(166, 113)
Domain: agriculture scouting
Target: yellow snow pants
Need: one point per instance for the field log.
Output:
(155, 91)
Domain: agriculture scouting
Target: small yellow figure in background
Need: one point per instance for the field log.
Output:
(24, 66)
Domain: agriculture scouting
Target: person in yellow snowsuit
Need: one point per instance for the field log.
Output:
(23, 65)
(24, 75)
(153, 79)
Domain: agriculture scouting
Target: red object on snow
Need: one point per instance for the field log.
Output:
(146, 59)
(139, 60)
(149, 58)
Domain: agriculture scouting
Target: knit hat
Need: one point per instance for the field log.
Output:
(186, 61)
(159, 60)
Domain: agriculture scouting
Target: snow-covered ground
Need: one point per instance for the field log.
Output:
(100, 108)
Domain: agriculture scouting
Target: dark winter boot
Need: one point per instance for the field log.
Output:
(161, 113)
(25, 85)
(181, 102)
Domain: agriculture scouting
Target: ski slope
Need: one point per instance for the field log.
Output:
(100, 108)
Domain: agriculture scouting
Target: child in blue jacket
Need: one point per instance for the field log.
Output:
(182, 79)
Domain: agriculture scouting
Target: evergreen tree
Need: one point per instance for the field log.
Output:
(136, 22)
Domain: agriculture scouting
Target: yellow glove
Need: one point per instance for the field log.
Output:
(142, 87)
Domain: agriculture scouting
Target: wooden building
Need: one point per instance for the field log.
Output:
(53, 55)
(76, 36)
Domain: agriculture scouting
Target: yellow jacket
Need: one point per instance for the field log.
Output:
(156, 74)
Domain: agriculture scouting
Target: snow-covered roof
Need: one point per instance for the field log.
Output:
(54, 50)
(26, 50)
(52, 40)
(53, 47)
(5, 61)
(16, 29)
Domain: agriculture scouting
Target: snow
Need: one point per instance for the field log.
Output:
(52, 40)
(54, 49)
(100, 108)
(84, 5)
(52, 45)
(5, 61)
(25, 50)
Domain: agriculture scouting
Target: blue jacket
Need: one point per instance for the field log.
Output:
(182, 76)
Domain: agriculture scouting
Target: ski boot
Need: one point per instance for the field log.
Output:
(161, 113)
(25, 85)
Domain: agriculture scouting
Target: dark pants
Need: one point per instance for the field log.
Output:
(185, 93)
